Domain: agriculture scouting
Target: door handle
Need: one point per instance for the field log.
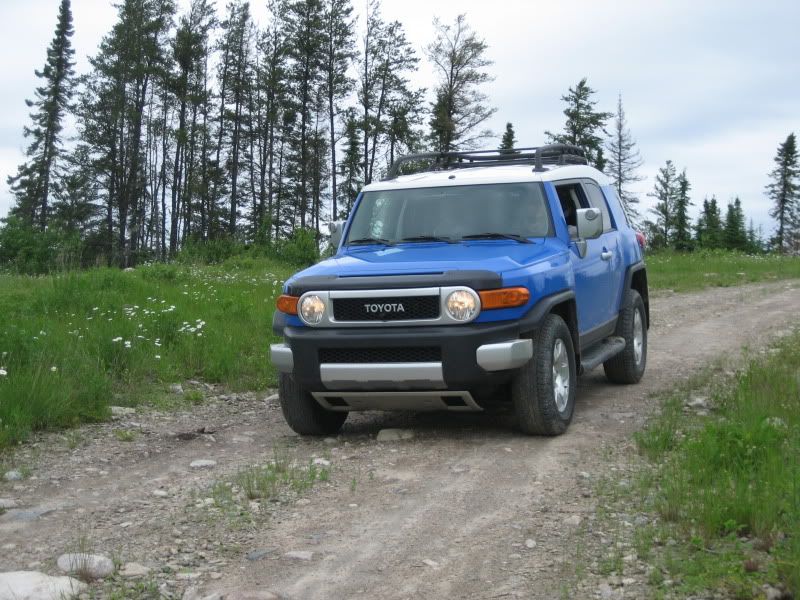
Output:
(606, 255)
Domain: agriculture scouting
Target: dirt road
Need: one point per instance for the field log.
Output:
(468, 508)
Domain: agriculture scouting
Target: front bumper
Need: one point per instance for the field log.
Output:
(471, 356)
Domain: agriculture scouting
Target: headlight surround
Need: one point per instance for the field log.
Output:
(312, 309)
(462, 305)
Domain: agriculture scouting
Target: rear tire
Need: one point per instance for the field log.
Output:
(543, 391)
(628, 366)
(304, 414)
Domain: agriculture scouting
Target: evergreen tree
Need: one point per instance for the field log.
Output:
(709, 231)
(338, 55)
(385, 58)
(755, 243)
(734, 233)
(665, 192)
(304, 22)
(509, 139)
(784, 191)
(115, 110)
(583, 125)
(623, 162)
(276, 110)
(350, 166)
(34, 180)
(459, 59)
(682, 237)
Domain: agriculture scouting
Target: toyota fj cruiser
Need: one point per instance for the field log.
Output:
(480, 271)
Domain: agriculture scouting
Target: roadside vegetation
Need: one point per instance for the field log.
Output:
(686, 271)
(724, 481)
(73, 344)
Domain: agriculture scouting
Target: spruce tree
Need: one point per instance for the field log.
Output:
(623, 162)
(509, 139)
(34, 180)
(338, 54)
(784, 191)
(461, 108)
(734, 233)
(384, 61)
(755, 244)
(682, 236)
(709, 233)
(665, 192)
(350, 166)
(584, 124)
(304, 22)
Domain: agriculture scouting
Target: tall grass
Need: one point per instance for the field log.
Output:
(687, 271)
(70, 343)
(737, 474)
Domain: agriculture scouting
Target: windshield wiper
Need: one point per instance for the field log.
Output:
(370, 240)
(427, 238)
(496, 236)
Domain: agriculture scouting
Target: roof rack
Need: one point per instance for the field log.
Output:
(552, 154)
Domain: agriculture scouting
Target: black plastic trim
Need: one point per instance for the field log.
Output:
(634, 268)
(593, 336)
(541, 309)
(477, 280)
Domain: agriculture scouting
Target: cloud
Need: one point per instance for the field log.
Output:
(710, 85)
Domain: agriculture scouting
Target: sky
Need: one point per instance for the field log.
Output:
(713, 85)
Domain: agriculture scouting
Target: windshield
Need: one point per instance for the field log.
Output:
(451, 213)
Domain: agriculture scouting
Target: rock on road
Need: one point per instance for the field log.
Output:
(466, 508)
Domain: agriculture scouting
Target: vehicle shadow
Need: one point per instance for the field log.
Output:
(497, 420)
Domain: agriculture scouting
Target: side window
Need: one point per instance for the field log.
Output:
(571, 198)
(615, 198)
(597, 200)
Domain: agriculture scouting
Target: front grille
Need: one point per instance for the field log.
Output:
(380, 355)
(386, 309)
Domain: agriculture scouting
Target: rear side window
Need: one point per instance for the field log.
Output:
(597, 200)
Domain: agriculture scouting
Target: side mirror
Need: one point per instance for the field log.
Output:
(590, 223)
(336, 230)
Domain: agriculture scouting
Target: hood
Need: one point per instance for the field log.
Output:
(497, 256)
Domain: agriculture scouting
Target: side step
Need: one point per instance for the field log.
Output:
(601, 352)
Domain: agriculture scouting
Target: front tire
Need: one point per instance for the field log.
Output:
(628, 366)
(543, 391)
(304, 414)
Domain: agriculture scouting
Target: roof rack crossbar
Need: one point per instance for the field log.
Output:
(552, 154)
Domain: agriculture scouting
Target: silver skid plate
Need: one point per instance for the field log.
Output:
(417, 401)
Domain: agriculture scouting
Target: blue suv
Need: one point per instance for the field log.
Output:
(473, 273)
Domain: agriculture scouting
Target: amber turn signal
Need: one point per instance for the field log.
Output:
(287, 304)
(504, 298)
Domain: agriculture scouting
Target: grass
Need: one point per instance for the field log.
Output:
(125, 435)
(73, 344)
(276, 480)
(682, 272)
(726, 487)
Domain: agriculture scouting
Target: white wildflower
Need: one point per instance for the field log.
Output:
(3, 372)
(127, 344)
(53, 369)
(117, 339)
(158, 357)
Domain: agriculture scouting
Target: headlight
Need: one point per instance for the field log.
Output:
(311, 309)
(461, 305)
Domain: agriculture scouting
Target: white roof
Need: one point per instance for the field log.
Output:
(484, 175)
